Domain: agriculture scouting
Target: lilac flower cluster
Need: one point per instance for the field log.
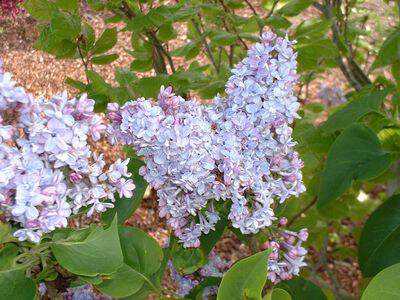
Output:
(287, 255)
(238, 149)
(84, 292)
(216, 267)
(175, 138)
(10, 8)
(254, 148)
(47, 167)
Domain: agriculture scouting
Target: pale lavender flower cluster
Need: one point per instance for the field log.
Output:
(287, 255)
(175, 138)
(84, 292)
(216, 267)
(47, 167)
(238, 149)
(254, 147)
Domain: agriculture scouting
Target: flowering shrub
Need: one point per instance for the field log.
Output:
(239, 148)
(225, 169)
(46, 158)
(10, 8)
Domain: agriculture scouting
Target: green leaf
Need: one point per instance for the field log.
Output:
(317, 55)
(367, 101)
(390, 50)
(40, 9)
(107, 40)
(355, 155)
(141, 252)
(385, 285)
(215, 87)
(98, 83)
(188, 260)
(14, 285)
(65, 25)
(294, 7)
(68, 5)
(123, 283)
(301, 289)
(99, 253)
(390, 139)
(149, 86)
(142, 65)
(245, 279)
(166, 32)
(104, 59)
(125, 207)
(278, 22)
(7, 255)
(223, 38)
(208, 241)
(312, 29)
(79, 85)
(96, 4)
(380, 238)
(277, 294)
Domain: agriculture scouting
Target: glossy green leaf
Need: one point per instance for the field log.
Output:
(123, 283)
(367, 101)
(300, 289)
(223, 38)
(65, 25)
(208, 241)
(106, 41)
(79, 85)
(355, 155)
(104, 59)
(68, 5)
(188, 260)
(390, 50)
(245, 279)
(14, 285)
(294, 7)
(385, 285)
(277, 294)
(141, 251)
(40, 9)
(380, 238)
(99, 253)
(278, 22)
(7, 256)
(166, 32)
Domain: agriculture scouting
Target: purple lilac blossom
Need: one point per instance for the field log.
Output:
(287, 255)
(175, 138)
(254, 149)
(238, 149)
(48, 170)
(84, 292)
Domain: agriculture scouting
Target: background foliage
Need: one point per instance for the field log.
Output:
(351, 150)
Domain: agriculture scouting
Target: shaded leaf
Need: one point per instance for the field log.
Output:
(99, 253)
(245, 279)
(380, 238)
(355, 155)
(385, 285)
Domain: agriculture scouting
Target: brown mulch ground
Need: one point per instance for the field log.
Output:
(42, 75)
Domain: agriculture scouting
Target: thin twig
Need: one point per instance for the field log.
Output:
(205, 44)
(85, 64)
(298, 215)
